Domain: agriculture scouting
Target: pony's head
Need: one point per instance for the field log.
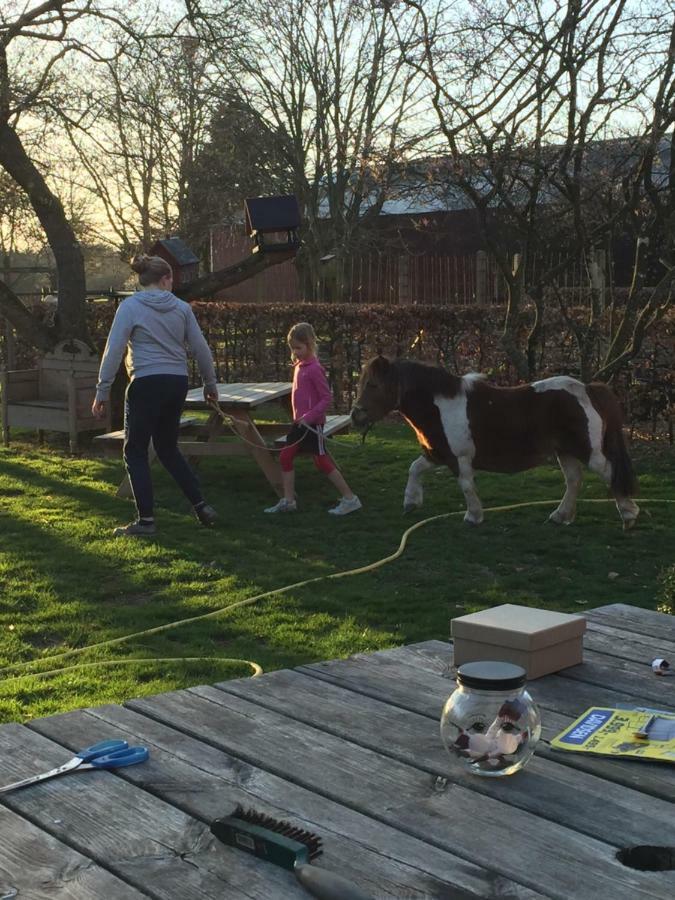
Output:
(378, 393)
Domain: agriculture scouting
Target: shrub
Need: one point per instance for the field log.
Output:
(666, 590)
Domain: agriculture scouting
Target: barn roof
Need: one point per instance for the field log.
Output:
(429, 184)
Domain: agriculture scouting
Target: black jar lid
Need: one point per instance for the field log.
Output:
(491, 675)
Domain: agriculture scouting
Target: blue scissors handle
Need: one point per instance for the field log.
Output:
(89, 754)
(127, 756)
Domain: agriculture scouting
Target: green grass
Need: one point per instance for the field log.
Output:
(66, 583)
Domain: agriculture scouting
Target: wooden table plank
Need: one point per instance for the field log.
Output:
(36, 865)
(537, 852)
(142, 840)
(241, 395)
(546, 788)
(624, 676)
(415, 677)
(615, 642)
(635, 620)
(349, 749)
(206, 783)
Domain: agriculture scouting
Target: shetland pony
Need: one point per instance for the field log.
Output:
(467, 424)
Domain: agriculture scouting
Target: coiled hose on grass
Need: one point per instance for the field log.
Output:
(256, 669)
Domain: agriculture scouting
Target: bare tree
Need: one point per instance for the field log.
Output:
(138, 124)
(330, 75)
(19, 230)
(39, 43)
(48, 24)
(527, 95)
(241, 157)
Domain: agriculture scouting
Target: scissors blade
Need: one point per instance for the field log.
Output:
(34, 779)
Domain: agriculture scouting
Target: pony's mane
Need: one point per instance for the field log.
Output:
(428, 377)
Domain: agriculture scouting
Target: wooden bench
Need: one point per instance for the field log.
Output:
(333, 425)
(113, 441)
(189, 425)
(55, 396)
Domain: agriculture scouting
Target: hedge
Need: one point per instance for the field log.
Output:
(248, 342)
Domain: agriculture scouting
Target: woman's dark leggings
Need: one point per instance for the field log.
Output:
(152, 410)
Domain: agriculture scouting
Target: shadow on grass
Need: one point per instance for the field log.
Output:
(107, 588)
(101, 584)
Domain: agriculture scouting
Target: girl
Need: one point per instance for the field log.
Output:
(311, 397)
(156, 326)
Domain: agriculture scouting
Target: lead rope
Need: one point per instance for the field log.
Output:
(257, 670)
(228, 420)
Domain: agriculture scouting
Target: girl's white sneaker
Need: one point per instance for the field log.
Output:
(283, 506)
(346, 506)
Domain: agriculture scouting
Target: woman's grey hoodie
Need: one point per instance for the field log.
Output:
(158, 329)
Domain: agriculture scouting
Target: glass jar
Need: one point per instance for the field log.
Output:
(490, 725)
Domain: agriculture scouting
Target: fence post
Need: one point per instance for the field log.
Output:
(596, 271)
(403, 280)
(481, 277)
(10, 345)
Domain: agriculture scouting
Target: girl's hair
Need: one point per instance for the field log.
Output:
(303, 333)
(150, 268)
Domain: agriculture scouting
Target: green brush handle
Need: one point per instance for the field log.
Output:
(327, 885)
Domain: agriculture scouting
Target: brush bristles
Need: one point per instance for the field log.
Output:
(308, 838)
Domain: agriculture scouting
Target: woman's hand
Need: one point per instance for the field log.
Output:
(98, 408)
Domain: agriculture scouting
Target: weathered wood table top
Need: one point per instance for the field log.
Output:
(241, 395)
(349, 749)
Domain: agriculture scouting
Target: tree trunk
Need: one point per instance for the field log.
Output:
(534, 335)
(71, 318)
(620, 354)
(27, 326)
(510, 339)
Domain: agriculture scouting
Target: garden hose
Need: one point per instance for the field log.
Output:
(257, 670)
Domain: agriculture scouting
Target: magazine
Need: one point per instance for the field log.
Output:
(633, 733)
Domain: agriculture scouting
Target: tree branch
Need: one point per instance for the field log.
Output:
(23, 320)
(204, 288)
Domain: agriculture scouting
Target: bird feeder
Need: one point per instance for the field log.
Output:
(273, 223)
(184, 264)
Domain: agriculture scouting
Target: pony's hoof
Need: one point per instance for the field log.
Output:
(468, 520)
(557, 519)
(628, 524)
(410, 508)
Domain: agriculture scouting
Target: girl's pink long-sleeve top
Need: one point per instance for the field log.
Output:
(311, 394)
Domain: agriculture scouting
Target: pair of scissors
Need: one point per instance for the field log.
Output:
(105, 755)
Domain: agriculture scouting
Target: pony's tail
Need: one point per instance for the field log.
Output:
(624, 482)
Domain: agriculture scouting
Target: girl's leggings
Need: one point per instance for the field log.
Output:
(322, 461)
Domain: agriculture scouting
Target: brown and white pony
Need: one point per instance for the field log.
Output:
(467, 424)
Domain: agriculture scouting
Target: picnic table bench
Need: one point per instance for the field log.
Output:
(238, 403)
(349, 749)
(337, 424)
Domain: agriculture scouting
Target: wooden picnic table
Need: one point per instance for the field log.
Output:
(349, 749)
(238, 402)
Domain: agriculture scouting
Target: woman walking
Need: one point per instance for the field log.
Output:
(156, 327)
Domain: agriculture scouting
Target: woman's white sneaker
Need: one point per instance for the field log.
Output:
(346, 506)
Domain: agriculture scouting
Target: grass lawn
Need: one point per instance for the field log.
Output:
(66, 583)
